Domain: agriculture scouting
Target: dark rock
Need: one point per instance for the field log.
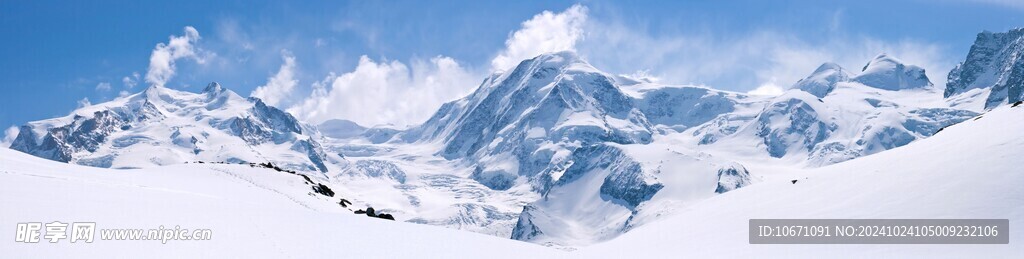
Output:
(323, 189)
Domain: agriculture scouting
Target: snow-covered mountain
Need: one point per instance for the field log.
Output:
(543, 136)
(965, 171)
(558, 152)
(992, 74)
(888, 73)
(832, 116)
(823, 80)
(519, 123)
(554, 151)
(161, 126)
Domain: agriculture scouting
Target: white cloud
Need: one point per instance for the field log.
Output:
(130, 81)
(742, 62)
(103, 86)
(281, 85)
(9, 135)
(84, 102)
(387, 92)
(162, 60)
(768, 89)
(545, 32)
(123, 93)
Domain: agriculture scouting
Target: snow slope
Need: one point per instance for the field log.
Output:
(252, 213)
(608, 189)
(968, 170)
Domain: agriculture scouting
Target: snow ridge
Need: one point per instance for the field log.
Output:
(161, 126)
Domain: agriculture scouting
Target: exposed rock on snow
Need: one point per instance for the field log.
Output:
(995, 67)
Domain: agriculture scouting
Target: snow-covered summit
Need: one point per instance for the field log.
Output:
(992, 74)
(832, 116)
(823, 80)
(517, 122)
(160, 126)
(889, 73)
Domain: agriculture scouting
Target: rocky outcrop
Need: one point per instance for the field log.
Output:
(996, 63)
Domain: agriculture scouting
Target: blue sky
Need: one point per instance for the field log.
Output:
(395, 62)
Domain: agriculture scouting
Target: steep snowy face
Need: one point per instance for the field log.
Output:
(161, 126)
(826, 119)
(994, 66)
(606, 189)
(793, 121)
(516, 123)
(887, 72)
(823, 80)
(854, 121)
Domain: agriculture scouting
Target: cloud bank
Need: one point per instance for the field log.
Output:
(162, 60)
(545, 32)
(383, 92)
(9, 135)
(280, 86)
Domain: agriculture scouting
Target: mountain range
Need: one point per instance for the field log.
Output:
(555, 151)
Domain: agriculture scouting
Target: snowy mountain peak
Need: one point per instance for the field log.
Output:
(559, 58)
(881, 58)
(515, 124)
(889, 73)
(213, 88)
(164, 126)
(823, 80)
(563, 61)
(828, 67)
(992, 74)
